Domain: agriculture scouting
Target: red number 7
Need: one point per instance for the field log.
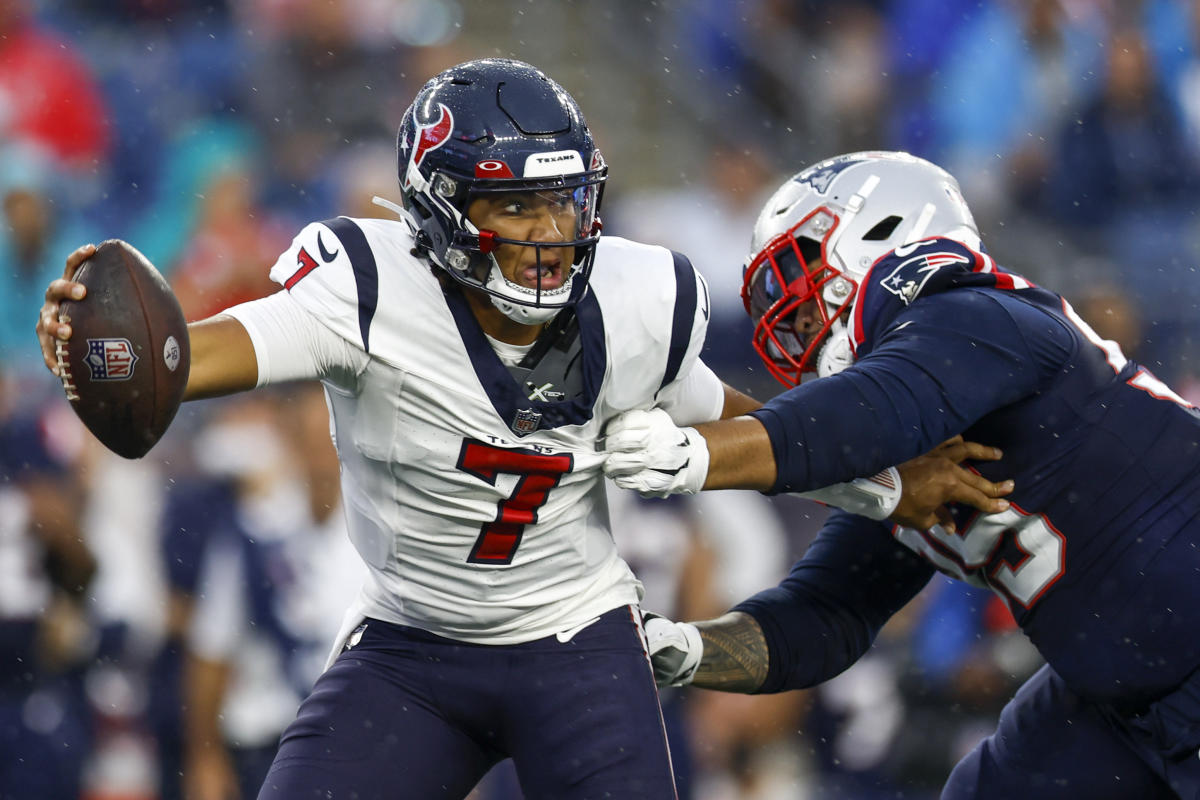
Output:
(498, 540)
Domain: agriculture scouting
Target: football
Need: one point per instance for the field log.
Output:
(125, 366)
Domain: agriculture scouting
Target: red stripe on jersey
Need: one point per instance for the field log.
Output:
(307, 264)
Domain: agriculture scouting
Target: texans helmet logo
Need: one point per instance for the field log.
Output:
(432, 136)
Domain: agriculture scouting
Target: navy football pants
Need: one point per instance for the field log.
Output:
(406, 715)
(1052, 744)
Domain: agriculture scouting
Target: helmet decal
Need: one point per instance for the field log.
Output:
(820, 176)
(431, 137)
(492, 168)
(560, 162)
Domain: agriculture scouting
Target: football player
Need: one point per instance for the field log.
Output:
(472, 351)
(869, 275)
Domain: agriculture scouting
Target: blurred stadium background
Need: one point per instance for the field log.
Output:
(207, 133)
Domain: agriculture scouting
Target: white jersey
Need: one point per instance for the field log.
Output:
(481, 513)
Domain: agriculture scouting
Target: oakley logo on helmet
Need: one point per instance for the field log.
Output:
(492, 168)
(562, 162)
(431, 137)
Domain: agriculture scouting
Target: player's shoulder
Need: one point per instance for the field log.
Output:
(357, 239)
(637, 274)
(907, 271)
(924, 274)
(343, 269)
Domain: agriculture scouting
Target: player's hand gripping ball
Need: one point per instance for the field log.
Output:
(125, 366)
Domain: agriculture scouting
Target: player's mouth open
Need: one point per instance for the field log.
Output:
(550, 274)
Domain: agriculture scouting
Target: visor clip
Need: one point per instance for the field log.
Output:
(487, 241)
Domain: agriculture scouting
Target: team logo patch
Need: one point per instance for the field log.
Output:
(908, 279)
(526, 421)
(110, 359)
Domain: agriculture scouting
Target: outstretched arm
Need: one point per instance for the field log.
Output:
(817, 622)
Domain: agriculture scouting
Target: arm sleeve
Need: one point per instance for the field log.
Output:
(697, 397)
(825, 614)
(290, 343)
(875, 497)
(947, 362)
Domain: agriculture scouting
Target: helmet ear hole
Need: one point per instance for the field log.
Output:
(883, 229)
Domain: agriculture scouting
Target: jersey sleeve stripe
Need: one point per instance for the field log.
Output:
(366, 272)
(685, 314)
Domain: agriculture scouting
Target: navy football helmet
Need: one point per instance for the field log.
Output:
(498, 126)
(819, 235)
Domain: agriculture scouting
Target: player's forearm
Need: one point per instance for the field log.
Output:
(223, 359)
(735, 654)
(740, 455)
(737, 403)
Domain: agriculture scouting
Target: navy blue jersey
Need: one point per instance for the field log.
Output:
(1098, 557)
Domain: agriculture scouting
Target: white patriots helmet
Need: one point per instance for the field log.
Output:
(818, 236)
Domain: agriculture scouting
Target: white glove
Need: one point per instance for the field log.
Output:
(675, 649)
(651, 455)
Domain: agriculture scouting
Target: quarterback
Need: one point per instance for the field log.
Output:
(868, 271)
(472, 351)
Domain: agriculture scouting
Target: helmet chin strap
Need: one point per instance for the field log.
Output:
(520, 312)
(525, 315)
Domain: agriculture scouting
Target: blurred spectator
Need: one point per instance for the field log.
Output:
(744, 746)
(162, 64)
(127, 601)
(362, 174)
(944, 666)
(917, 33)
(993, 117)
(1125, 155)
(708, 219)
(323, 81)
(1124, 180)
(851, 95)
(48, 95)
(279, 572)
(40, 227)
(207, 231)
(45, 634)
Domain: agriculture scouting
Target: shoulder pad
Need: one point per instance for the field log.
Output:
(331, 270)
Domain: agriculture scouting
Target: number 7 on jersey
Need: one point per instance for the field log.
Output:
(539, 473)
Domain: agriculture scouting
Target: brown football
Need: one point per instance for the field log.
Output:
(125, 366)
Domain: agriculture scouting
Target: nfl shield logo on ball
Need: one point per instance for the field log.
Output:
(526, 421)
(110, 359)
